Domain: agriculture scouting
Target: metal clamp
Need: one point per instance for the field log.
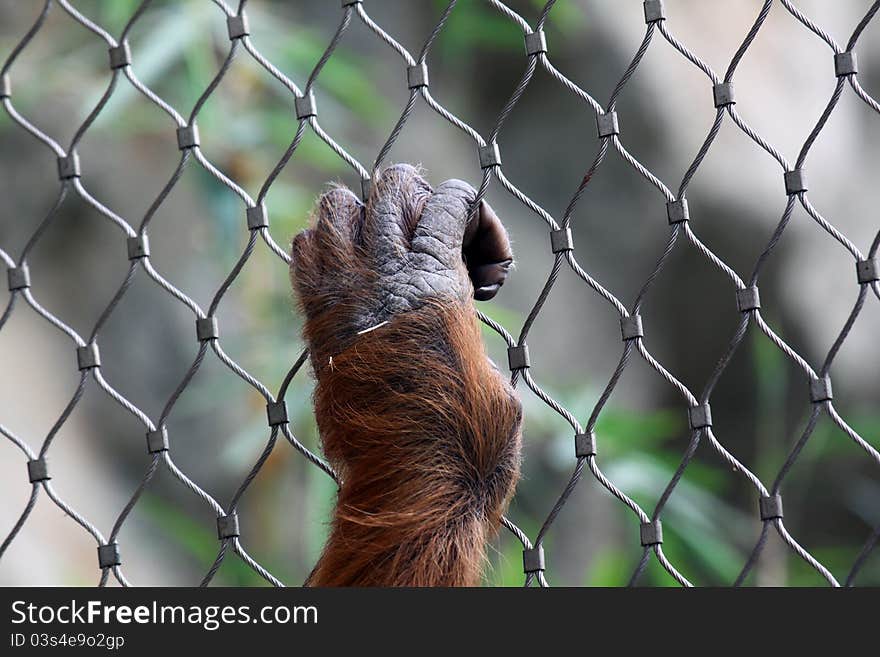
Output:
(518, 357)
(305, 106)
(120, 56)
(417, 76)
(654, 11)
(490, 156)
(867, 271)
(138, 247)
(845, 63)
(723, 94)
(677, 211)
(820, 390)
(631, 327)
(795, 181)
(207, 329)
(188, 136)
(5, 86)
(536, 42)
(237, 27)
(227, 526)
(585, 444)
(68, 166)
(748, 298)
(157, 441)
(700, 416)
(607, 124)
(18, 278)
(276, 413)
(770, 507)
(257, 217)
(533, 559)
(651, 533)
(108, 555)
(561, 240)
(38, 470)
(88, 357)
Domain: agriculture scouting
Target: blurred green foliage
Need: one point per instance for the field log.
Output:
(707, 534)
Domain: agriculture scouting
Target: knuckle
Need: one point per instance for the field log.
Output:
(337, 201)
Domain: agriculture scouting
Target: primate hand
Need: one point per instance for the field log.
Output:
(409, 246)
(423, 430)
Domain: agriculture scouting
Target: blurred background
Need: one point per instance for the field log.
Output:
(217, 429)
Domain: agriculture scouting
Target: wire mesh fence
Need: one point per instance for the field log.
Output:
(304, 102)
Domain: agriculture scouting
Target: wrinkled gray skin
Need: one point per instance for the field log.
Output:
(414, 238)
(430, 263)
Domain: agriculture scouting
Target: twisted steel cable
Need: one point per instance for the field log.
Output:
(302, 101)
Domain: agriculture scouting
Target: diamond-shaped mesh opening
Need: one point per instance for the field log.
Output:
(218, 92)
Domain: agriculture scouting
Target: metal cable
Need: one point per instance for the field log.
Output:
(301, 99)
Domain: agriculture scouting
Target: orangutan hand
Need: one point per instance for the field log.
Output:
(358, 267)
(423, 431)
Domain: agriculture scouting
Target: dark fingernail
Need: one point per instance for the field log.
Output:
(486, 292)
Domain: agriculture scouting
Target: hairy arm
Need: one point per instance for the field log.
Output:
(423, 430)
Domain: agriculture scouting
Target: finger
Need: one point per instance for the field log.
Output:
(338, 219)
(305, 269)
(318, 253)
(392, 211)
(487, 252)
(441, 229)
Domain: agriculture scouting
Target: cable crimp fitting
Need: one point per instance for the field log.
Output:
(700, 416)
(651, 533)
(257, 217)
(417, 76)
(748, 298)
(533, 560)
(68, 166)
(366, 188)
(536, 42)
(490, 156)
(5, 86)
(677, 211)
(38, 470)
(770, 507)
(237, 27)
(157, 441)
(207, 329)
(88, 357)
(227, 526)
(654, 11)
(188, 136)
(18, 278)
(305, 106)
(607, 124)
(845, 63)
(723, 94)
(518, 357)
(631, 327)
(561, 240)
(795, 181)
(138, 247)
(276, 413)
(120, 56)
(585, 444)
(867, 271)
(108, 555)
(820, 390)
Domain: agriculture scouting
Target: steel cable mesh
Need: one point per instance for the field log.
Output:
(744, 290)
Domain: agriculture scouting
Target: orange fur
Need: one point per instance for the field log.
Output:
(425, 434)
